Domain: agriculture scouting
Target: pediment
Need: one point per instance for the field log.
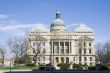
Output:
(38, 38)
(85, 38)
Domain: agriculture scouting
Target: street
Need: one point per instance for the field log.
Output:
(60, 71)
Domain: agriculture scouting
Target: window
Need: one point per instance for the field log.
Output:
(43, 58)
(73, 58)
(90, 58)
(84, 44)
(85, 59)
(67, 51)
(79, 58)
(90, 51)
(67, 59)
(84, 51)
(57, 60)
(80, 51)
(85, 63)
(62, 51)
(56, 50)
(62, 60)
(33, 44)
(90, 63)
(89, 44)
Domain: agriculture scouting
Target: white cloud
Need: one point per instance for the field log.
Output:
(15, 27)
(3, 16)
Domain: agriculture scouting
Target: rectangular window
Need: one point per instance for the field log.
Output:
(67, 60)
(73, 58)
(84, 44)
(85, 63)
(85, 59)
(57, 60)
(84, 51)
(80, 51)
(89, 44)
(90, 63)
(89, 51)
(79, 58)
(43, 58)
(90, 58)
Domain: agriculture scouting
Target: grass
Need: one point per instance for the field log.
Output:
(19, 68)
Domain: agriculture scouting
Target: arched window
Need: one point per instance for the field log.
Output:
(67, 59)
(89, 44)
(89, 51)
(90, 58)
(85, 59)
(62, 59)
(57, 60)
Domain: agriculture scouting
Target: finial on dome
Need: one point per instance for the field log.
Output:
(58, 14)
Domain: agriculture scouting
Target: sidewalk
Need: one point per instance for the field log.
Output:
(2, 71)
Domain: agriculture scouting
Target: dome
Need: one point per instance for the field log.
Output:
(58, 23)
(83, 28)
(39, 28)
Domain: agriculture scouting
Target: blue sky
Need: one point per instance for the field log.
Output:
(18, 16)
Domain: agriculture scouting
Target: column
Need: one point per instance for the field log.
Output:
(64, 47)
(51, 53)
(51, 48)
(59, 47)
(69, 48)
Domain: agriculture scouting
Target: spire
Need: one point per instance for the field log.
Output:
(58, 15)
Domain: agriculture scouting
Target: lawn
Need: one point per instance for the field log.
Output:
(19, 68)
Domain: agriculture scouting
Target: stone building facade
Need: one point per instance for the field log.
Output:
(57, 45)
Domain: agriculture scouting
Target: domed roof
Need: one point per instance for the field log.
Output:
(58, 23)
(83, 28)
(39, 28)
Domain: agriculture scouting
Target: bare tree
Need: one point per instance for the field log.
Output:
(82, 48)
(18, 48)
(2, 55)
(103, 52)
(99, 52)
(39, 40)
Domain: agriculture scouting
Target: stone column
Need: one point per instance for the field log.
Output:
(69, 47)
(52, 48)
(64, 47)
(59, 47)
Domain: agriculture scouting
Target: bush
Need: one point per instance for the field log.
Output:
(92, 68)
(46, 67)
(63, 65)
(30, 65)
(42, 68)
(77, 66)
(103, 67)
(100, 67)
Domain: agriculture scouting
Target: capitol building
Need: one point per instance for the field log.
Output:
(57, 45)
